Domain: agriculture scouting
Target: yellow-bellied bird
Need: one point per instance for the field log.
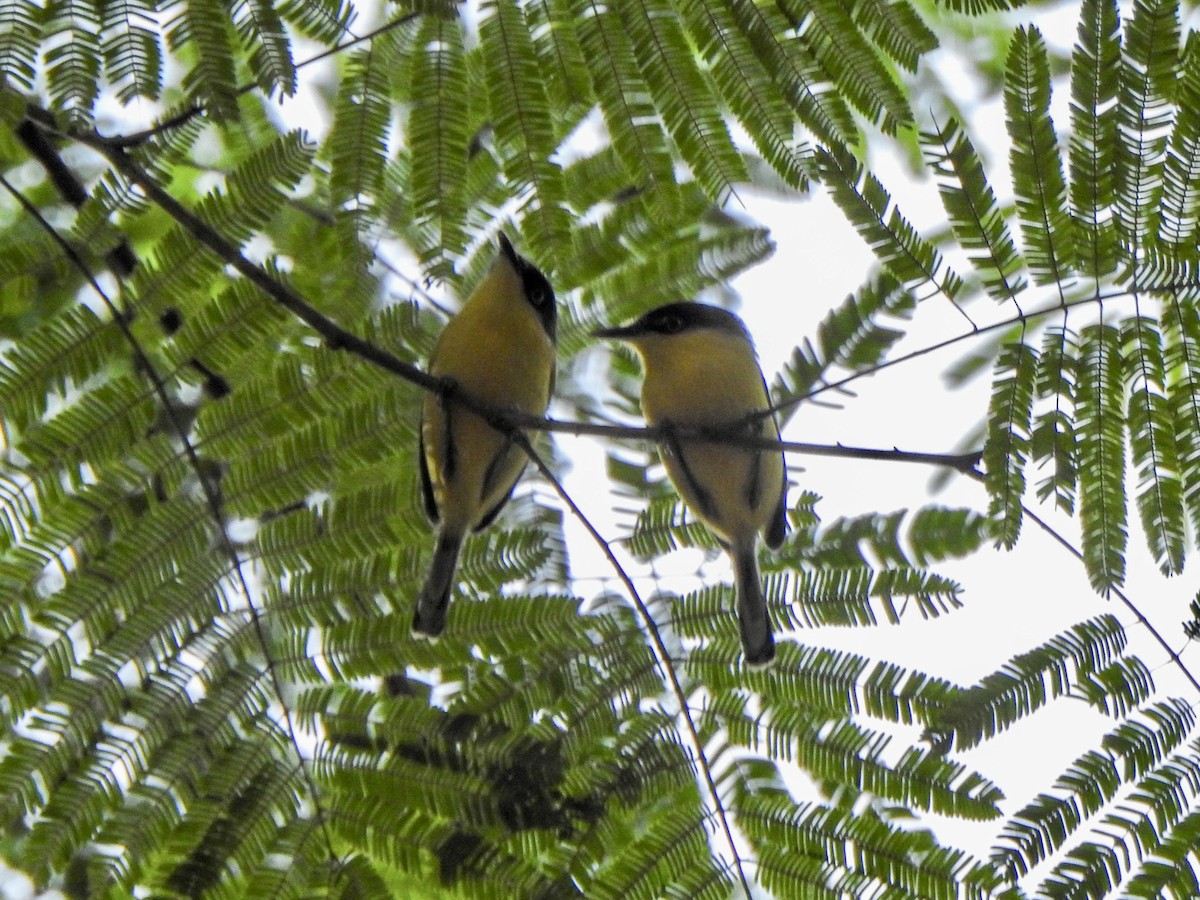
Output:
(701, 370)
(500, 350)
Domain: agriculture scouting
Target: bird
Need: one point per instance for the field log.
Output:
(701, 370)
(500, 350)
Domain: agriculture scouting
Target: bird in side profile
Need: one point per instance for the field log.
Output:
(701, 370)
(499, 349)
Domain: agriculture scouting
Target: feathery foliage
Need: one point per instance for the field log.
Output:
(211, 333)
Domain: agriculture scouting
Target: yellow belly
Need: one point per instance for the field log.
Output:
(712, 380)
(497, 351)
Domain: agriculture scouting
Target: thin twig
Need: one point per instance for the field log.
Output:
(1120, 595)
(336, 337)
(1012, 322)
(659, 647)
(733, 434)
(1116, 591)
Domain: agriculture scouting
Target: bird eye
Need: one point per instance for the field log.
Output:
(671, 323)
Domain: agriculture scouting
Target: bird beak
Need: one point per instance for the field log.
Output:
(506, 249)
(621, 333)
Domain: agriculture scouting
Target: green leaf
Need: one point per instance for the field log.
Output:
(830, 36)
(1009, 438)
(1136, 829)
(438, 138)
(1152, 440)
(212, 80)
(525, 134)
(684, 96)
(981, 7)
(1053, 440)
(1038, 182)
(556, 36)
(866, 203)
(814, 850)
(1148, 74)
(1129, 751)
(636, 132)
(1100, 430)
(1181, 357)
(1029, 681)
(73, 68)
(896, 28)
(20, 31)
(974, 214)
(326, 21)
(748, 89)
(261, 29)
(357, 143)
(132, 50)
(800, 78)
(1095, 67)
(1181, 171)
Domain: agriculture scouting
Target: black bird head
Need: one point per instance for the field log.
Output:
(536, 286)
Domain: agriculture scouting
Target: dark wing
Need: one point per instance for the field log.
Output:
(449, 460)
(754, 484)
(490, 483)
(493, 470)
(427, 494)
(777, 527)
(673, 447)
(490, 516)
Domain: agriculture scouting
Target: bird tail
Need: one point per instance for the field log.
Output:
(430, 616)
(758, 644)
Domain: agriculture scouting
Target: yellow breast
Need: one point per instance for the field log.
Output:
(709, 377)
(699, 378)
(498, 352)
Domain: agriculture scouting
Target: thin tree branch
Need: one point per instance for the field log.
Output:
(339, 338)
(829, 159)
(212, 500)
(1014, 321)
(336, 337)
(733, 434)
(665, 662)
(1122, 596)
(1117, 592)
(34, 134)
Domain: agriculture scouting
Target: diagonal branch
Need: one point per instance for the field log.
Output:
(336, 337)
(1123, 597)
(1001, 325)
(1116, 591)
